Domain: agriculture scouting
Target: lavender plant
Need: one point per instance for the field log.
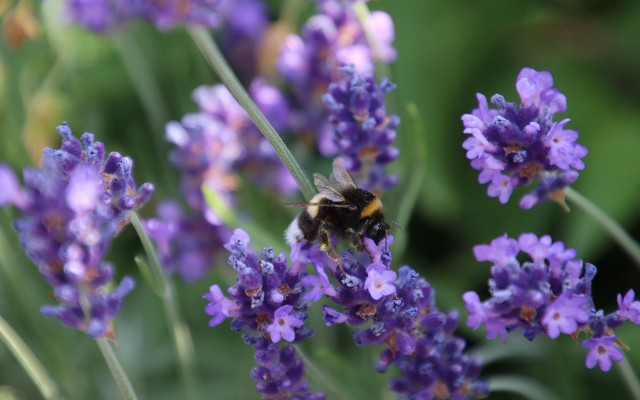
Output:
(71, 209)
(306, 97)
(551, 294)
(272, 300)
(268, 300)
(517, 145)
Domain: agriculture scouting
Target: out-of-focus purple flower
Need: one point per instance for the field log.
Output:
(602, 351)
(103, 15)
(361, 130)
(99, 15)
(11, 192)
(211, 146)
(166, 14)
(280, 373)
(515, 146)
(551, 294)
(383, 30)
(244, 25)
(71, 209)
(214, 143)
(187, 244)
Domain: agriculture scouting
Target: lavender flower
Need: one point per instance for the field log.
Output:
(212, 144)
(72, 208)
(99, 15)
(168, 13)
(103, 15)
(210, 147)
(551, 294)
(280, 373)
(602, 352)
(400, 312)
(514, 145)
(268, 299)
(187, 243)
(330, 39)
(361, 130)
(244, 24)
(268, 296)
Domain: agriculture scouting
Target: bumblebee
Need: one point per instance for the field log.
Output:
(342, 209)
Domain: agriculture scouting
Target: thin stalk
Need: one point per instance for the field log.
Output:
(525, 387)
(415, 176)
(180, 332)
(216, 60)
(30, 363)
(616, 231)
(629, 377)
(147, 90)
(24, 301)
(116, 369)
(319, 376)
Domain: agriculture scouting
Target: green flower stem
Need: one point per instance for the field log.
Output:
(146, 87)
(116, 369)
(415, 177)
(37, 372)
(180, 332)
(629, 377)
(320, 377)
(216, 60)
(525, 387)
(609, 224)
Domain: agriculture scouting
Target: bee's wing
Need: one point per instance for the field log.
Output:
(340, 177)
(327, 188)
(309, 204)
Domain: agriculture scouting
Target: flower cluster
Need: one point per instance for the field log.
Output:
(400, 311)
(280, 373)
(516, 145)
(268, 299)
(550, 294)
(72, 207)
(187, 243)
(331, 38)
(361, 130)
(210, 147)
(103, 15)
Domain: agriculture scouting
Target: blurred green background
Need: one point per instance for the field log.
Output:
(448, 51)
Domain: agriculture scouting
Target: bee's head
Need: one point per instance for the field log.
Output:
(377, 230)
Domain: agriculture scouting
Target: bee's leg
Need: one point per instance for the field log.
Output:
(357, 242)
(325, 245)
(361, 247)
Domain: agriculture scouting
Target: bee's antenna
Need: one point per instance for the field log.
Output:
(396, 224)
